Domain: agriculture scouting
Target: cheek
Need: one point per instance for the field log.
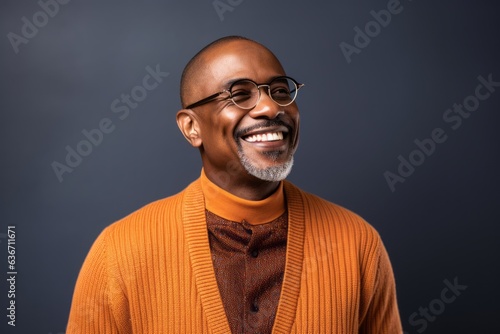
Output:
(295, 141)
(295, 119)
(219, 137)
(225, 124)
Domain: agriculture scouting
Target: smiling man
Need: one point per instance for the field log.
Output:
(240, 250)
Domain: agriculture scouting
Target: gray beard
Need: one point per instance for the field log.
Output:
(274, 173)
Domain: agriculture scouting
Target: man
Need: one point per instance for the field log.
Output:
(239, 250)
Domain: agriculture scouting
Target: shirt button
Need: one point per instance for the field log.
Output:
(254, 308)
(255, 253)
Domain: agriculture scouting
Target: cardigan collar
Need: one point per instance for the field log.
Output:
(195, 229)
(233, 208)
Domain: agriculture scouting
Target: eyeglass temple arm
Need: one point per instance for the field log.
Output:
(205, 100)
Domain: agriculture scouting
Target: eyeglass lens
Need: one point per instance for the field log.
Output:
(245, 93)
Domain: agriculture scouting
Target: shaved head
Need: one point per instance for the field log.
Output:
(195, 68)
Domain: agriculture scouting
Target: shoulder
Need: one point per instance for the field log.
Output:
(334, 230)
(157, 216)
(151, 212)
(319, 211)
(149, 232)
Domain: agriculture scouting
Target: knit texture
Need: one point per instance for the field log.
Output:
(249, 263)
(152, 272)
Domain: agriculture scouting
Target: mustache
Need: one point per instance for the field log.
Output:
(264, 124)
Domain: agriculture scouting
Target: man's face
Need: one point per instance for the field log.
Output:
(261, 140)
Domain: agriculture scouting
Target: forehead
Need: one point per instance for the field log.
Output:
(239, 60)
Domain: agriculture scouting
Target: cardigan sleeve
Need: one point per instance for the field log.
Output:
(382, 315)
(99, 302)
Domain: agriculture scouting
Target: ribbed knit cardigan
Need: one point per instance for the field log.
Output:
(152, 272)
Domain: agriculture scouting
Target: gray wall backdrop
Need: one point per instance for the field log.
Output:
(375, 87)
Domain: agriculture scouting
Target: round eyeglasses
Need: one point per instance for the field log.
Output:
(245, 93)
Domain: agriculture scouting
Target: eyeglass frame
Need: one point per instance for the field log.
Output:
(213, 97)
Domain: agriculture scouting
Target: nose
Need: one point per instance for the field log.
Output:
(266, 107)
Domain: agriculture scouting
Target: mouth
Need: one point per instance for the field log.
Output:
(273, 132)
(265, 135)
(269, 136)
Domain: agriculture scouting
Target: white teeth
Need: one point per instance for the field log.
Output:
(271, 136)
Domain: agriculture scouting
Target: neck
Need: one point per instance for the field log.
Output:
(235, 208)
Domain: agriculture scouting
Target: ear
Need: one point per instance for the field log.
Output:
(189, 125)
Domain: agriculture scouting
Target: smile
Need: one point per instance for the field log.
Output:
(264, 137)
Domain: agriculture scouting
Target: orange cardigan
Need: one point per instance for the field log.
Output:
(152, 272)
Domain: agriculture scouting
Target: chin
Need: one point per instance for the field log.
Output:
(278, 172)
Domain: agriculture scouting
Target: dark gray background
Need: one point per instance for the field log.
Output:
(357, 118)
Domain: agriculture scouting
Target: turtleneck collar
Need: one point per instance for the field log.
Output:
(231, 207)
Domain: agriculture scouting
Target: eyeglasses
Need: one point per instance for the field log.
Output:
(245, 93)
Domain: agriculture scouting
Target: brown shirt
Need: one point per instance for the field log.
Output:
(248, 246)
(249, 261)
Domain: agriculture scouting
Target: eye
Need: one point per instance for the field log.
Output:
(240, 95)
(242, 91)
(280, 92)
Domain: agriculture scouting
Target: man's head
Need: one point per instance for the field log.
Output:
(258, 142)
